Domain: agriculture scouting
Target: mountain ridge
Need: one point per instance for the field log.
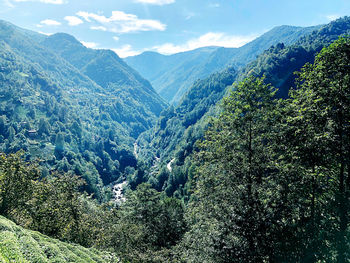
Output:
(182, 125)
(172, 75)
(70, 119)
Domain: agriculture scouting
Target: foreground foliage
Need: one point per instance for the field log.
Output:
(148, 223)
(20, 245)
(273, 182)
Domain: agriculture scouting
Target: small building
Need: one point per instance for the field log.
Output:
(32, 133)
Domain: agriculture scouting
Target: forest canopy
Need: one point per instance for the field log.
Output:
(273, 180)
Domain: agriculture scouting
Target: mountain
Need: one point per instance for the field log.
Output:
(266, 166)
(169, 73)
(106, 69)
(21, 245)
(77, 117)
(171, 142)
(172, 75)
(278, 63)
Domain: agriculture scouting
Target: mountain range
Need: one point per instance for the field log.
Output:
(172, 75)
(60, 100)
(86, 112)
(180, 127)
(81, 109)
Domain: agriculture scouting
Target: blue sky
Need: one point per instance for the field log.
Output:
(130, 27)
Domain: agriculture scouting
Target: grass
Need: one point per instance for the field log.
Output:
(21, 245)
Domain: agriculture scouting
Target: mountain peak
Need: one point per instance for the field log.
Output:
(173, 75)
(61, 40)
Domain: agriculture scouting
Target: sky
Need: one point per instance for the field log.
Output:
(130, 27)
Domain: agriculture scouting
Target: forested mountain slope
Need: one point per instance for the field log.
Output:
(272, 181)
(71, 119)
(173, 75)
(280, 62)
(180, 127)
(236, 172)
(109, 71)
(169, 73)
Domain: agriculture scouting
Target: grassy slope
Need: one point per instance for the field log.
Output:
(21, 245)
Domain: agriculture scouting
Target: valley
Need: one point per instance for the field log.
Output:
(210, 155)
(173, 75)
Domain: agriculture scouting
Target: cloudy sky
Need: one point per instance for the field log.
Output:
(130, 27)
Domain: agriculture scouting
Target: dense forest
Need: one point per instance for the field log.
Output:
(179, 127)
(66, 116)
(251, 166)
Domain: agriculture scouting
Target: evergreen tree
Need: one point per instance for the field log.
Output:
(44, 127)
(233, 205)
(2, 124)
(11, 133)
(320, 122)
(59, 142)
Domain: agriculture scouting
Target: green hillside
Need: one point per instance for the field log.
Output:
(174, 137)
(109, 71)
(173, 75)
(74, 122)
(21, 245)
(251, 166)
(279, 62)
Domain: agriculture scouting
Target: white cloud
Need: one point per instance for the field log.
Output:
(126, 51)
(332, 17)
(208, 39)
(120, 22)
(101, 28)
(89, 44)
(116, 38)
(46, 34)
(49, 22)
(73, 20)
(155, 2)
(55, 2)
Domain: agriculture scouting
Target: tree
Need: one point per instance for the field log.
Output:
(320, 116)
(44, 127)
(77, 129)
(55, 207)
(147, 223)
(2, 124)
(11, 133)
(59, 142)
(17, 179)
(234, 200)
